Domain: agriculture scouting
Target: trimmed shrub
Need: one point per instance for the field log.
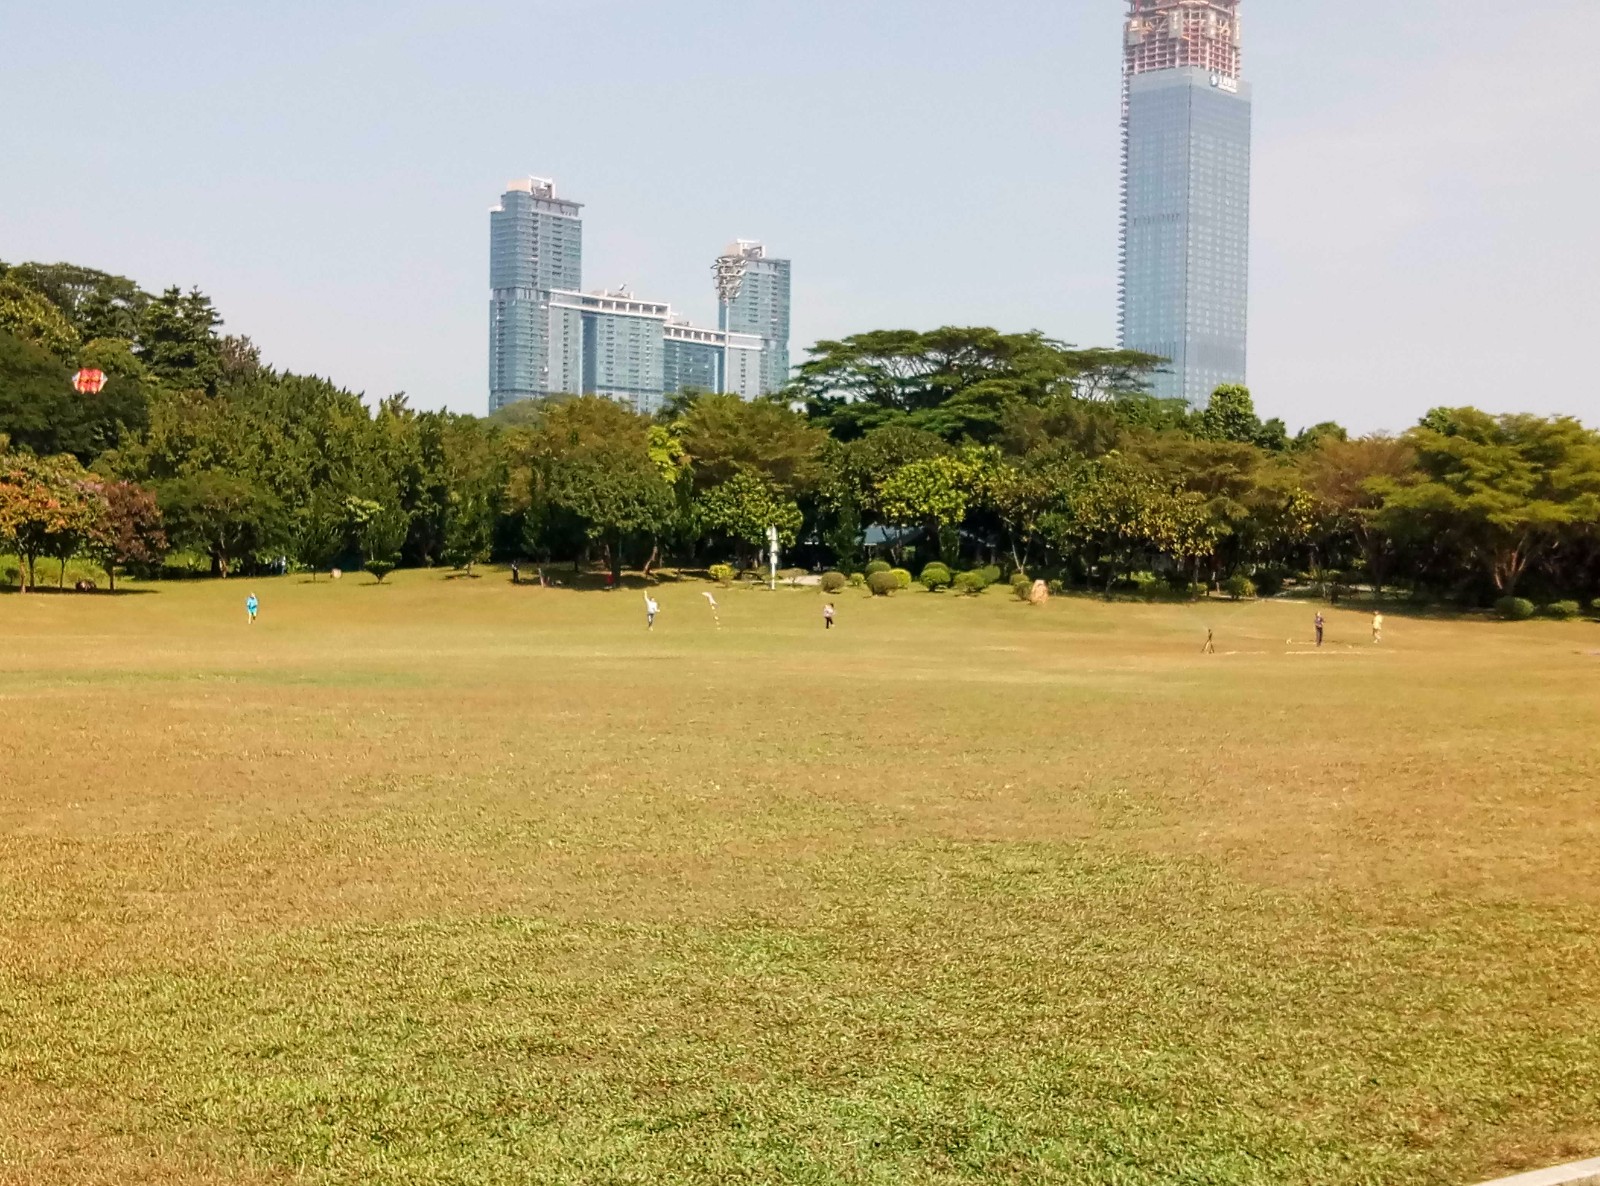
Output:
(935, 577)
(1594, 607)
(969, 584)
(723, 574)
(832, 582)
(1057, 588)
(1021, 587)
(857, 579)
(883, 583)
(878, 566)
(1238, 586)
(1514, 609)
(991, 574)
(901, 576)
(1563, 611)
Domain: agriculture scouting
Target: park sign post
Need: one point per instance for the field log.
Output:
(772, 558)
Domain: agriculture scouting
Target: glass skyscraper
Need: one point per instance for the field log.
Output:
(548, 337)
(753, 298)
(1186, 194)
(535, 247)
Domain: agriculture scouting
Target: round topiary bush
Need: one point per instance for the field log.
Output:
(723, 574)
(1514, 609)
(1238, 586)
(832, 582)
(878, 566)
(1057, 588)
(935, 577)
(1563, 611)
(991, 574)
(902, 577)
(883, 583)
(969, 584)
(857, 579)
(1021, 588)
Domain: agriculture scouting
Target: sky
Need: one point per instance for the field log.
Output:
(1426, 204)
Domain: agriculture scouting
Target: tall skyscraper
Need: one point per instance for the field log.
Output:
(753, 298)
(549, 337)
(535, 247)
(1185, 193)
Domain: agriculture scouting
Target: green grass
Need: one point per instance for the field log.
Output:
(448, 881)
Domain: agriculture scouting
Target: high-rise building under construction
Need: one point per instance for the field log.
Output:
(1185, 193)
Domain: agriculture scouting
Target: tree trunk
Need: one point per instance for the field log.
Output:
(111, 576)
(655, 555)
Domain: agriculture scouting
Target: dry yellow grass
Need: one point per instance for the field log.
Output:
(452, 881)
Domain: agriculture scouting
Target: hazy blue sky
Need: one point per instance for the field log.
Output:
(1427, 192)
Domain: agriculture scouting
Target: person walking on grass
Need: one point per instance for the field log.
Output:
(1211, 643)
(651, 609)
(1377, 626)
(251, 608)
(516, 573)
(827, 616)
(1319, 624)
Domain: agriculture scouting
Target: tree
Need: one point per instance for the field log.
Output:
(1231, 416)
(40, 410)
(1023, 492)
(1348, 479)
(955, 382)
(96, 304)
(45, 508)
(178, 340)
(28, 314)
(1507, 489)
(469, 529)
(588, 463)
(320, 533)
(222, 515)
(743, 507)
(936, 492)
(1119, 512)
(382, 534)
(126, 528)
(724, 435)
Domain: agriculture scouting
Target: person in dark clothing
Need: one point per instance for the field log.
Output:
(1319, 625)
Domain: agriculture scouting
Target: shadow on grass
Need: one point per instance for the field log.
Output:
(52, 591)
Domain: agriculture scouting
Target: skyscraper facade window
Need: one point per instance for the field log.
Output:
(1186, 194)
(548, 337)
(753, 297)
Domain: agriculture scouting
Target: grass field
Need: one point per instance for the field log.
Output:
(451, 881)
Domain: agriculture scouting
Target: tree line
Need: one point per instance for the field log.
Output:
(965, 447)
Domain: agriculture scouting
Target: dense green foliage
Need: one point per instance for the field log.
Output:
(1515, 609)
(960, 448)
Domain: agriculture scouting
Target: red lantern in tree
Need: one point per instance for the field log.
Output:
(89, 381)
